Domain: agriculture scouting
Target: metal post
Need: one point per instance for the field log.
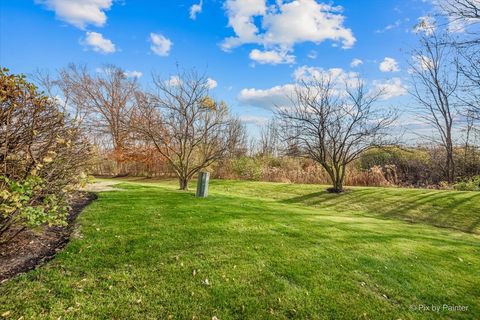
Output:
(202, 184)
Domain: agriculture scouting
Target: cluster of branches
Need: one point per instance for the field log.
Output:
(462, 15)
(333, 122)
(446, 76)
(99, 103)
(187, 127)
(177, 119)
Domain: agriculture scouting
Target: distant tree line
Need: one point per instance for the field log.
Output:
(177, 129)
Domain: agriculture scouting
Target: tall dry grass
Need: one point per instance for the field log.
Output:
(298, 170)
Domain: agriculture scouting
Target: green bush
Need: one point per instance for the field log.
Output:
(472, 184)
(248, 168)
(413, 166)
(32, 208)
(43, 157)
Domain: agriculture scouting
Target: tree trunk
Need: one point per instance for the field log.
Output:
(337, 177)
(450, 165)
(183, 183)
(337, 186)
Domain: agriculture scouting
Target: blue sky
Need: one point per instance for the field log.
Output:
(252, 49)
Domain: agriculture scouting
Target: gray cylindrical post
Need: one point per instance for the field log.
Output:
(202, 184)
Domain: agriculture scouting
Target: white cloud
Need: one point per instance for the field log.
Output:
(133, 74)
(356, 62)
(338, 76)
(79, 13)
(258, 120)
(211, 83)
(174, 81)
(389, 65)
(98, 43)
(196, 9)
(160, 45)
(306, 20)
(426, 24)
(390, 88)
(271, 57)
(240, 18)
(422, 63)
(390, 27)
(280, 96)
(285, 24)
(268, 98)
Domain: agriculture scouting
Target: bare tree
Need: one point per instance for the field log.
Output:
(102, 101)
(269, 139)
(465, 14)
(470, 88)
(463, 19)
(462, 14)
(189, 129)
(435, 79)
(334, 125)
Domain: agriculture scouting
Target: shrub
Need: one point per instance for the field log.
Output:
(472, 184)
(375, 176)
(247, 168)
(43, 155)
(412, 166)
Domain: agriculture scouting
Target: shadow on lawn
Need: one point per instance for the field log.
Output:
(437, 208)
(443, 209)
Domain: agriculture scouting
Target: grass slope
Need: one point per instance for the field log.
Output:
(269, 251)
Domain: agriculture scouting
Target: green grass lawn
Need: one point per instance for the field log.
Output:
(257, 250)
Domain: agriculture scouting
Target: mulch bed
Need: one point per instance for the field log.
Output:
(32, 248)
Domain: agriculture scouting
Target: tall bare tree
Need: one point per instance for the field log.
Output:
(269, 139)
(462, 15)
(466, 15)
(188, 128)
(470, 70)
(435, 81)
(333, 125)
(103, 101)
(463, 28)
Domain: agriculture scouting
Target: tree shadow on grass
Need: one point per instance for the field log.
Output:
(301, 199)
(440, 209)
(457, 214)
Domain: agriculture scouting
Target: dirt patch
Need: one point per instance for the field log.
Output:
(30, 249)
(101, 186)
